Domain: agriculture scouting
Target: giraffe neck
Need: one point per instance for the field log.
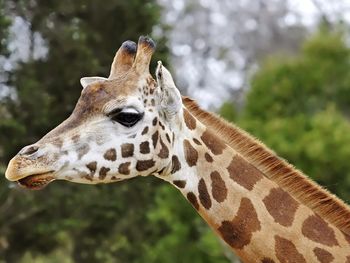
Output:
(258, 219)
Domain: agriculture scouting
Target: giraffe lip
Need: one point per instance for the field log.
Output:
(36, 181)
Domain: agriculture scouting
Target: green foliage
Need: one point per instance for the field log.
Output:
(183, 236)
(228, 111)
(300, 108)
(4, 26)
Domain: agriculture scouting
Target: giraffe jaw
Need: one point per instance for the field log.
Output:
(36, 181)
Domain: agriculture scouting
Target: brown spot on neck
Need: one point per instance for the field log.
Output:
(191, 154)
(145, 130)
(164, 152)
(204, 196)
(103, 172)
(155, 139)
(127, 150)
(215, 145)
(281, 206)
(154, 122)
(286, 251)
(218, 187)
(238, 232)
(161, 125)
(208, 158)
(197, 141)
(144, 147)
(92, 167)
(322, 255)
(168, 138)
(191, 197)
(87, 176)
(175, 164)
(110, 155)
(189, 120)
(180, 183)
(244, 173)
(316, 229)
(144, 165)
(124, 168)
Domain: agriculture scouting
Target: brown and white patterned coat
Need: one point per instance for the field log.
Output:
(130, 125)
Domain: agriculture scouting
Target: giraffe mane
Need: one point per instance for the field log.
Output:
(303, 189)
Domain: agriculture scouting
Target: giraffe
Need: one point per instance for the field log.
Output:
(130, 125)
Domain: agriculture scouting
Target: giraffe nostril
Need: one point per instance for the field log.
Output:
(28, 150)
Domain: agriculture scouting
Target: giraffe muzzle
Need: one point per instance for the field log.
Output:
(30, 169)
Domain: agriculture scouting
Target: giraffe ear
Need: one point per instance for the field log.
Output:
(86, 81)
(171, 101)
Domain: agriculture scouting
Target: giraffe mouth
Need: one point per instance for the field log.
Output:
(36, 181)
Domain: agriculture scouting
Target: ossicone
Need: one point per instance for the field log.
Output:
(123, 59)
(145, 50)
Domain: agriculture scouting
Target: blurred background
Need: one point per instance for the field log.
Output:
(279, 69)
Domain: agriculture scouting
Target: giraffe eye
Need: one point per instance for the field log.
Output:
(127, 118)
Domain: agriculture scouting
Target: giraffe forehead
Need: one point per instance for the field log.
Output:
(131, 101)
(117, 88)
(94, 97)
(97, 98)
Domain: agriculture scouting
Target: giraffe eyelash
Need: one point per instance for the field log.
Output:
(124, 110)
(114, 111)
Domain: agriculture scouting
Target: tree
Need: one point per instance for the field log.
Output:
(4, 25)
(300, 108)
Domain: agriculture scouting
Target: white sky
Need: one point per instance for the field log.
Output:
(187, 62)
(308, 10)
(333, 8)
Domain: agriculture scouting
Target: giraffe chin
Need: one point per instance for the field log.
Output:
(36, 181)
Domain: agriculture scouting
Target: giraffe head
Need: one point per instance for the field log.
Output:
(120, 128)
